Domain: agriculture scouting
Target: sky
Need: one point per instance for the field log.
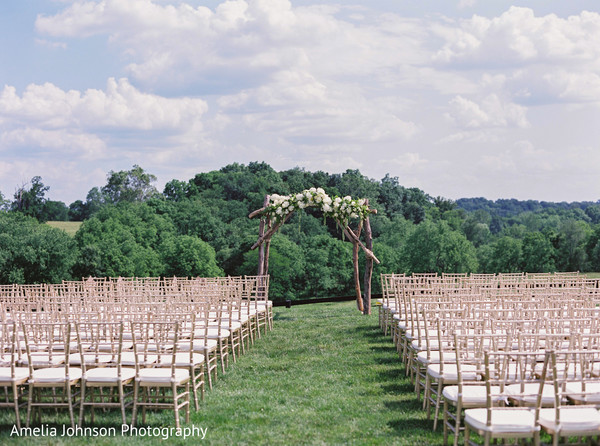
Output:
(460, 98)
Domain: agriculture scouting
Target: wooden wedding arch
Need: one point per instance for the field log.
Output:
(277, 209)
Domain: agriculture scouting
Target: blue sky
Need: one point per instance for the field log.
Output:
(460, 98)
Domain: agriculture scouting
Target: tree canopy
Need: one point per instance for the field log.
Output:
(201, 227)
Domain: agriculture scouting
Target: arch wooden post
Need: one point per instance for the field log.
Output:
(368, 267)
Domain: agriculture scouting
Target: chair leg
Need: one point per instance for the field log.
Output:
(136, 389)
(122, 403)
(81, 401)
(175, 405)
(16, 402)
(70, 402)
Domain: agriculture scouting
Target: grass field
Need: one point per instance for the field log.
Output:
(325, 375)
(70, 227)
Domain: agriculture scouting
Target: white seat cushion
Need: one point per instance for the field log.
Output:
(434, 357)
(55, 375)
(527, 393)
(128, 358)
(571, 418)
(90, 358)
(474, 396)
(21, 373)
(108, 374)
(199, 345)
(449, 373)
(515, 420)
(182, 359)
(43, 358)
(162, 375)
(574, 390)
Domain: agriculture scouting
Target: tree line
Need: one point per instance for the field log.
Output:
(201, 227)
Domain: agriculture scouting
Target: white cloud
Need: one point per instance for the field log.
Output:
(518, 36)
(326, 86)
(120, 106)
(490, 112)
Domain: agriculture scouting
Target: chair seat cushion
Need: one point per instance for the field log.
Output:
(55, 375)
(435, 357)
(504, 420)
(43, 359)
(90, 358)
(449, 372)
(527, 393)
(108, 374)
(21, 374)
(576, 392)
(472, 396)
(200, 345)
(571, 419)
(162, 375)
(182, 359)
(128, 358)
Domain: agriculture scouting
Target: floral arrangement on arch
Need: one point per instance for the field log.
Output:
(341, 209)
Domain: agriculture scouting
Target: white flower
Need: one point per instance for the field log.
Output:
(347, 198)
(320, 191)
(299, 197)
(285, 204)
(354, 215)
(301, 205)
(326, 208)
(313, 190)
(291, 208)
(278, 211)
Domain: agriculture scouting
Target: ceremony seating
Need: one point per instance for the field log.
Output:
(499, 379)
(93, 344)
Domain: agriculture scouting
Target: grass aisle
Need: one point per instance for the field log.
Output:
(324, 375)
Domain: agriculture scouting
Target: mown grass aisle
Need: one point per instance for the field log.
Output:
(324, 375)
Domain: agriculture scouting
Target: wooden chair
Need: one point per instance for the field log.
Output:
(158, 387)
(45, 372)
(98, 373)
(493, 422)
(571, 383)
(12, 378)
(470, 390)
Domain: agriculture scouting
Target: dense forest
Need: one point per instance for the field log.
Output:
(201, 227)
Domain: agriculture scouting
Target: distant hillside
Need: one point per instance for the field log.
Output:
(512, 207)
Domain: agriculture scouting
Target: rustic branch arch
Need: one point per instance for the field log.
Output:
(277, 209)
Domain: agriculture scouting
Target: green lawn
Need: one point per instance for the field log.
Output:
(325, 375)
(70, 227)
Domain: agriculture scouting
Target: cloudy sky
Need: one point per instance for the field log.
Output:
(461, 98)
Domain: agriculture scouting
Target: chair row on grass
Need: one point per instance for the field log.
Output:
(443, 331)
(149, 353)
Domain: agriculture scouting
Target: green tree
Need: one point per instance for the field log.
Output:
(572, 240)
(286, 267)
(122, 240)
(329, 268)
(502, 256)
(54, 211)
(31, 200)
(538, 253)
(31, 252)
(134, 185)
(187, 255)
(435, 247)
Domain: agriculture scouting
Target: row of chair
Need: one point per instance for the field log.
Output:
(443, 331)
(151, 354)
